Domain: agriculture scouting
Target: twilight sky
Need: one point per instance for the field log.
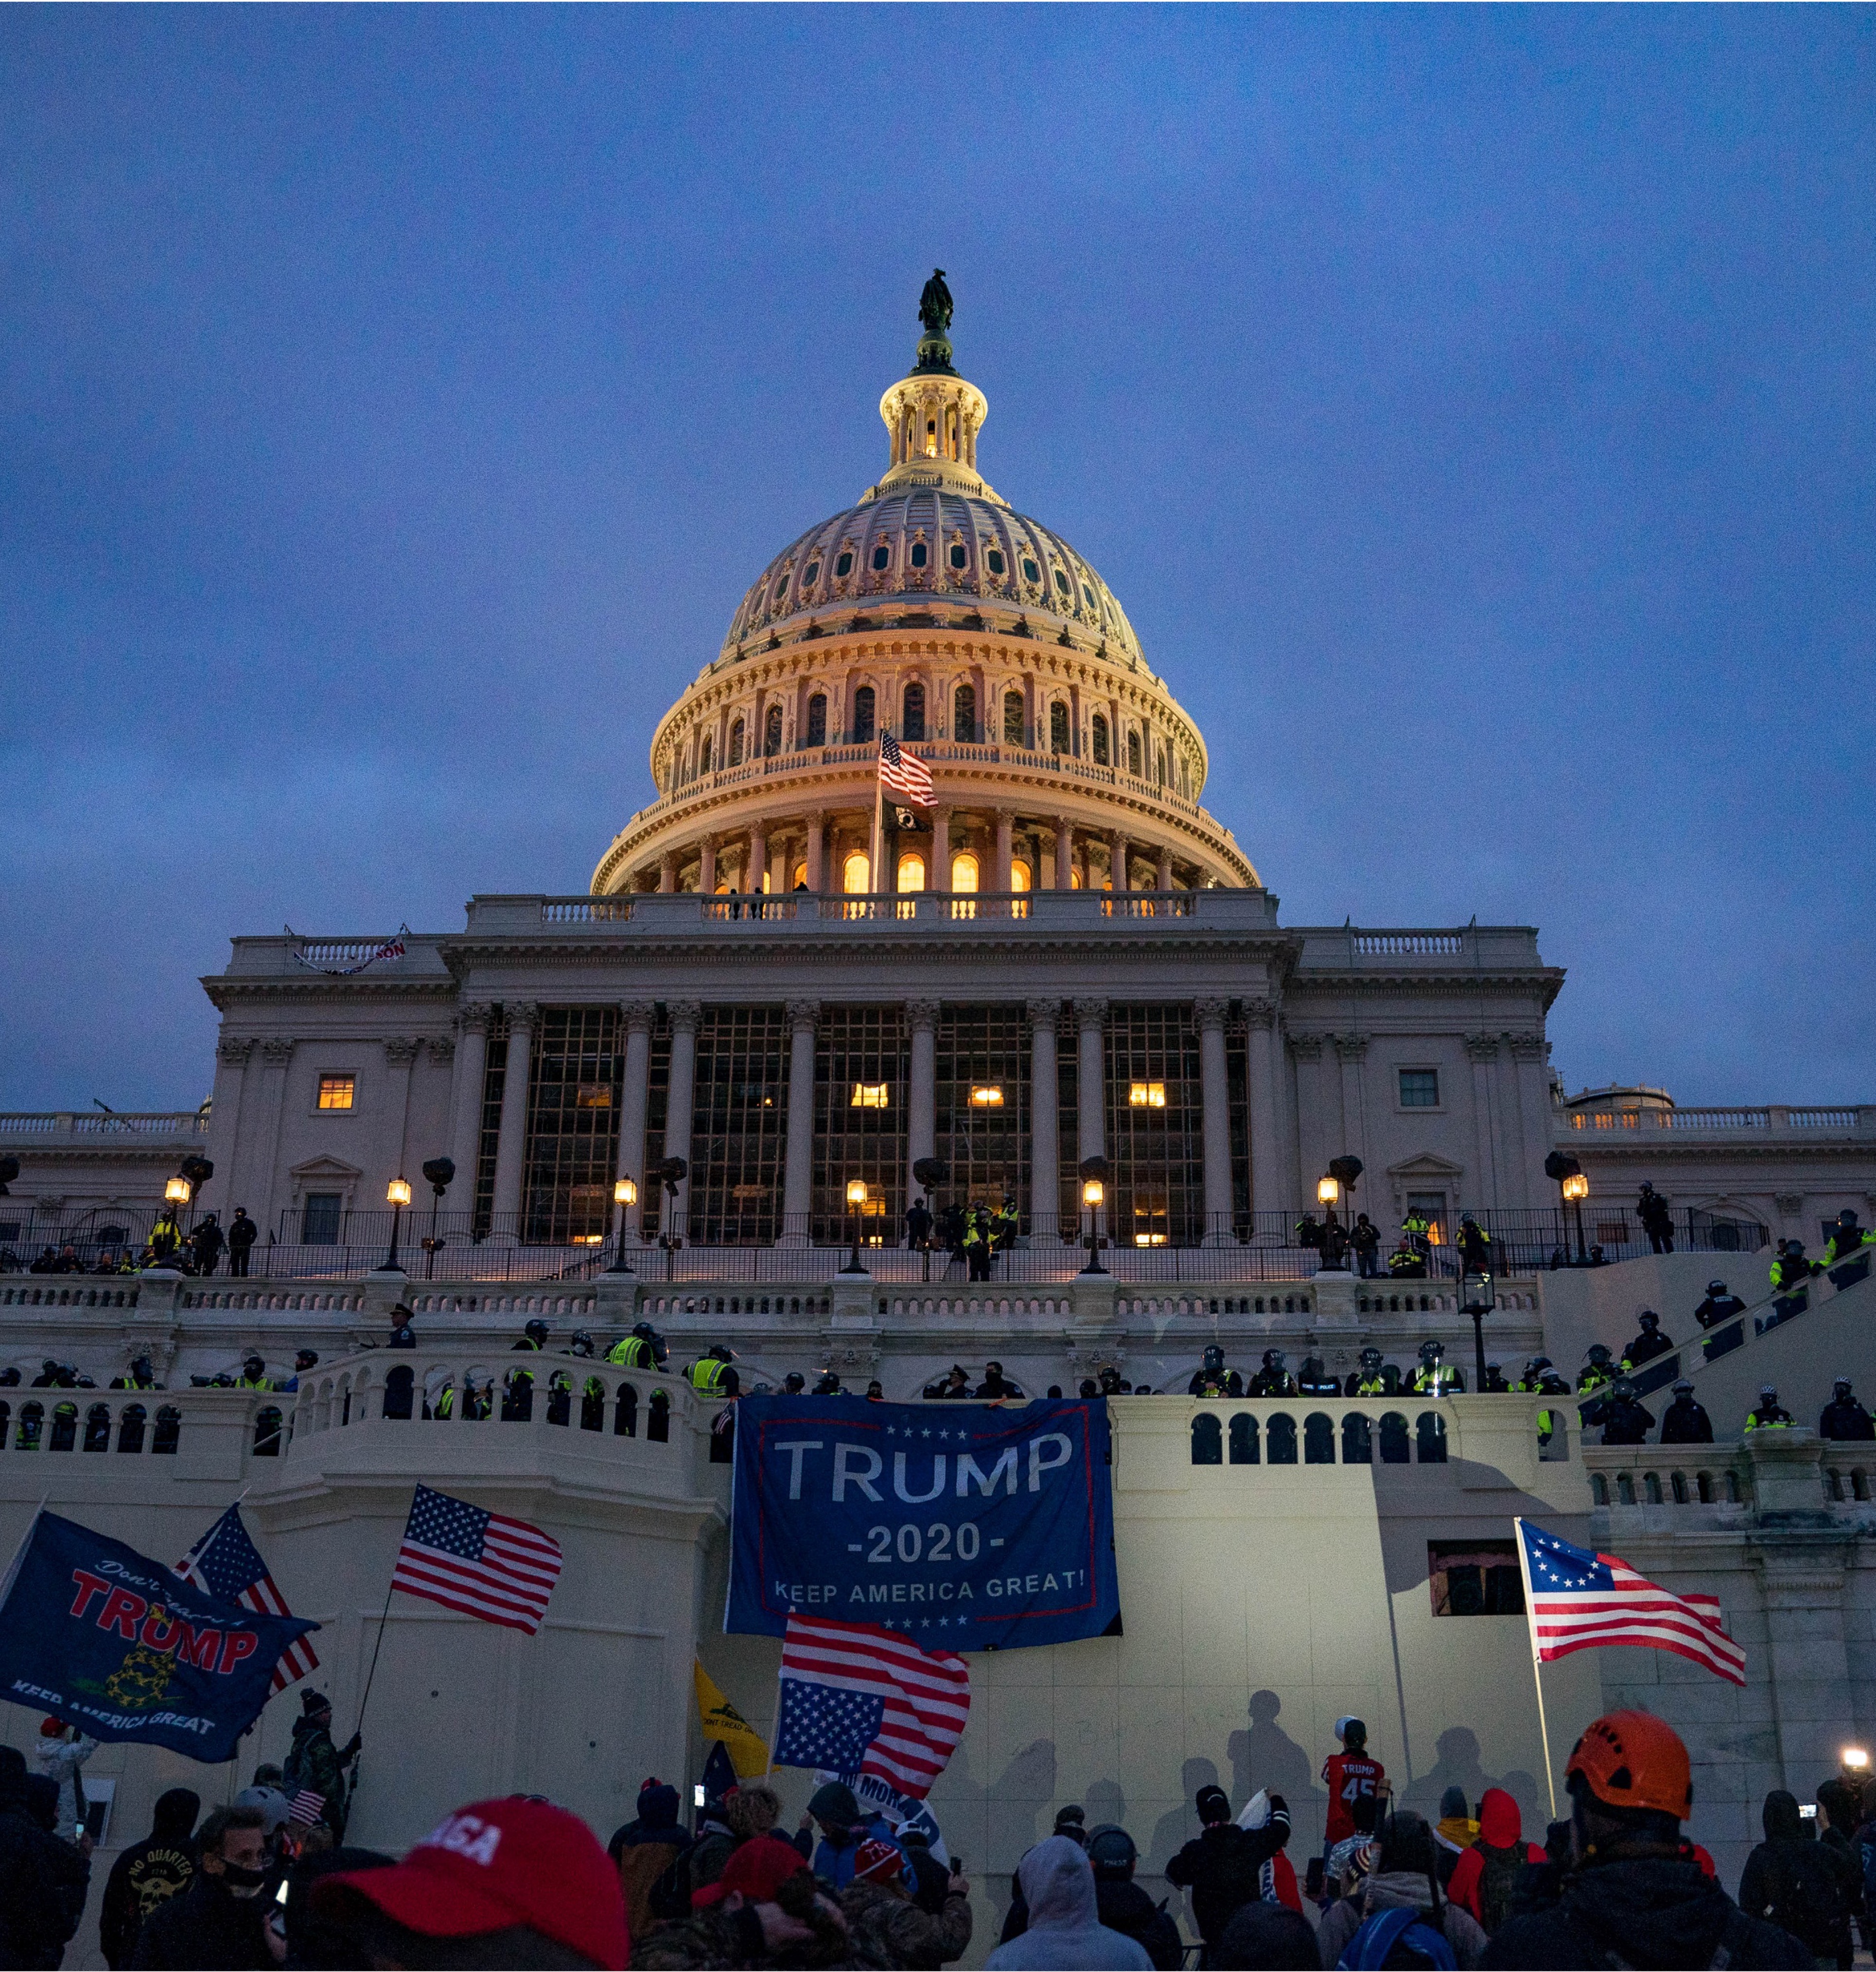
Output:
(1472, 409)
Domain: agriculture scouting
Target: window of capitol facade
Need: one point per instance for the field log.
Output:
(1156, 1195)
(495, 1080)
(858, 1047)
(740, 1126)
(576, 1075)
(987, 1142)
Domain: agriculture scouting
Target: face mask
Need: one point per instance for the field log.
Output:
(243, 1882)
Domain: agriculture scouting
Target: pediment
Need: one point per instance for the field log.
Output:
(1428, 1165)
(326, 1167)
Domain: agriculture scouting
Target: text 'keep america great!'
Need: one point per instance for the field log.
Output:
(968, 1526)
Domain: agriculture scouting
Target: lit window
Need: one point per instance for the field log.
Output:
(964, 871)
(931, 438)
(1020, 877)
(336, 1091)
(919, 554)
(843, 564)
(911, 871)
(1420, 1088)
(593, 1095)
(958, 556)
(1147, 1095)
(798, 879)
(994, 561)
(869, 1095)
(856, 873)
(988, 1098)
(881, 555)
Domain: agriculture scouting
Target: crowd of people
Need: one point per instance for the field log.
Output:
(519, 1881)
(198, 1250)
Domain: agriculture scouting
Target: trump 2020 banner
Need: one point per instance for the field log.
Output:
(111, 1641)
(967, 1527)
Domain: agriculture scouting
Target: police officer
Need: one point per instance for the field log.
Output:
(1315, 1380)
(1433, 1379)
(711, 1376)
(1274, 1379)
(1112, 1383)
(1768, 1414)
(977, 1243)
(1598, 1369)
(1310, 1233)
(517, 1386)
(1846, 1237)
(1495, 1384)
(996, 1384)
(534, 1336)
(1843, 1417)
(1685, 1421)
(1416, 1231)
(1624, 1419)
(1007, 1222)
(1212, 1380)
(1541, 1378)
(1406, 1262)
(637, 1351)
(1719, 1305)
(253, 1375)
(829, 1385)
(403, 1335)
(1475, 1246)
(794, 1384)
(956, 1385)
(142, 1376)
(1649, 1344)
(592, 1392)
(1791, 1270)
(1368, 1380)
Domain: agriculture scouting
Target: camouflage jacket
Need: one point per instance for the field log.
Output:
(890, 1931)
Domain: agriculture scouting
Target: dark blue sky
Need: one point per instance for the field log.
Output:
(1472, 409)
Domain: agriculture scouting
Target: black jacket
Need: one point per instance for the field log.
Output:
(143, 1877)
(1685, 1421)
(1654, 1912)
(1808, 1887)
(1711, 1313)
(206, 1930)
(1845, 1418)
(1125, 1908)
(43, 1883)
(1625, 1422)
(1221, 1867)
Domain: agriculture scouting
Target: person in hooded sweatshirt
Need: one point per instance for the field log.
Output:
(844, 1825)
(1456, 1832)
(1406, 1876)
(1223, 1865)
(1635, 1895)
(648, 1851)
(1485, 1877)
(1802, 1884)
(43, 1881)
(148, 1874)
(1064, 1929)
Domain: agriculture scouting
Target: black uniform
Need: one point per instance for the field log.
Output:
(1624, 1421)
(1216, 1383)
(1711, 1313)
(1649, 1343)
(1685, 1422)
(1845, 1418)
(1274, 1383)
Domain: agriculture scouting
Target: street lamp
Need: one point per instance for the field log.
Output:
(928, 1174)
(1478, 1295)
(1576, 1188)
(1566, 1174)
(396, 1196)
(1334, 1249)
(439, 1173)
(1093, 1175)
(624, 1196)
(857, 1199)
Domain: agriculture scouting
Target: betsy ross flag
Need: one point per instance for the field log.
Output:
(1578, 1601)
(904, 773)
(857, 1699)
(484, 1564)
(226, 1564)
(305, 1808)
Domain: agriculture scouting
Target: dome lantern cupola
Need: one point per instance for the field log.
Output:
(934, 415)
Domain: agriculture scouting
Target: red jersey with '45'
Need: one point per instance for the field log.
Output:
(1350, 1777)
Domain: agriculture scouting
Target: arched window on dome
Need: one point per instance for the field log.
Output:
(1132, 753)
(817, 720)
(706, 757)
(1012, 718)
(1100, 742)
(735, 743)
(856, 873)
(863, 715)
(964, 871)
(964, 713)
(1057, 728)
(772, 731)
(913, 725)
(911, 872)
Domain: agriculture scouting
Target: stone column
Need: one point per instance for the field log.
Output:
(1045, 1108)
(465, 1108)
(1307, 1157)
(635, 1016)
(1482, 1181)
(1091, 1089)
(1006, 826)
(1117, 860)
(511, 1142)
(758, 858)
(231, 1057)
(1260, 1042)
(667, 874)
(276, 1055)
(922, 1098)
(797, 1169)
(1352, 1051)
(680, 1096)
(817, 852)
(1166, 869)
(400, 1056)
(1065, 853)
(707, 867)
(1528, 1187)
(1215, 1097)
(940, 878)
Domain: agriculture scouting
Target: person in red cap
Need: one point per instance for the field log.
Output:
(514, 1882)
(1635, 1895)
(766, 1902)
(887, 1927)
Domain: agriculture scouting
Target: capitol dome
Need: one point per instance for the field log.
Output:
(933, 610)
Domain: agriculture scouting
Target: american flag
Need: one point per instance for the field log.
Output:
(305, 1808)
(904, 773)
(225, 1563)
(859, 1699)
(1578, 1601)
(484, 1564)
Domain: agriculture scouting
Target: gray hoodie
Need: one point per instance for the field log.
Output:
(1390, 1892)
(1064, 1931)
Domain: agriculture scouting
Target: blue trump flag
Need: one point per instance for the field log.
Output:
(965, 1526)
(116, 1643)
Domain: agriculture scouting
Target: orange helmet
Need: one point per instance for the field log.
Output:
(1633, 1759)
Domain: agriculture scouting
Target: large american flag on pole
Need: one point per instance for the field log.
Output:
(904, 773)
(484, 1564)
(857, 1699)
(1578, 1601)
(225, 1562)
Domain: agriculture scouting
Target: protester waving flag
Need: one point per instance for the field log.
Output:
(1579, 1600)
(484, 1564)
(226, 1563)
(857, 1697)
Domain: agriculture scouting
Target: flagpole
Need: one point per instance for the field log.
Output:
(878, 819)
(1537, 1661)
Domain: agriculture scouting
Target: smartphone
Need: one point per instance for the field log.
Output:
(1807, 1811)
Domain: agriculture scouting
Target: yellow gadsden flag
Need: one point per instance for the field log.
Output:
(749, 1753)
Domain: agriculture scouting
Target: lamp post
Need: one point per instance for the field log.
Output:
(1094, 1195)
(1576, 1188)
(1335, 1241)
(1566, 1173)
(928, 1174)
(625, 1196)
(397, 1196)
(439, 1173)
(855, 1200)
(1478, 1296)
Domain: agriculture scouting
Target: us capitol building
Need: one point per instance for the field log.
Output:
(1066, 957)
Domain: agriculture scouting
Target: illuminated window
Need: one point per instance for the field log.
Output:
(931, 438)
(986, 1097)
(798, 879)
(1074, 876)
(870, 1096)
(336, 1091)
(964, 871)
(593, 1095)
(1147, 1094)
(911, 871)
(856, 873)
(1021, 877)
(1420, 1088)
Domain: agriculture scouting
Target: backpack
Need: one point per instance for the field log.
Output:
(1396, 1937)
(1498, 1878)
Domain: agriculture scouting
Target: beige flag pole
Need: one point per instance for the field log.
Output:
(879, 821)
(1537, 1663)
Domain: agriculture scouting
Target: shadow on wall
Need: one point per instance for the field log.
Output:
(1178, 1825)
(1457, 1764)
(1014, 1807)
(1266, 1757)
